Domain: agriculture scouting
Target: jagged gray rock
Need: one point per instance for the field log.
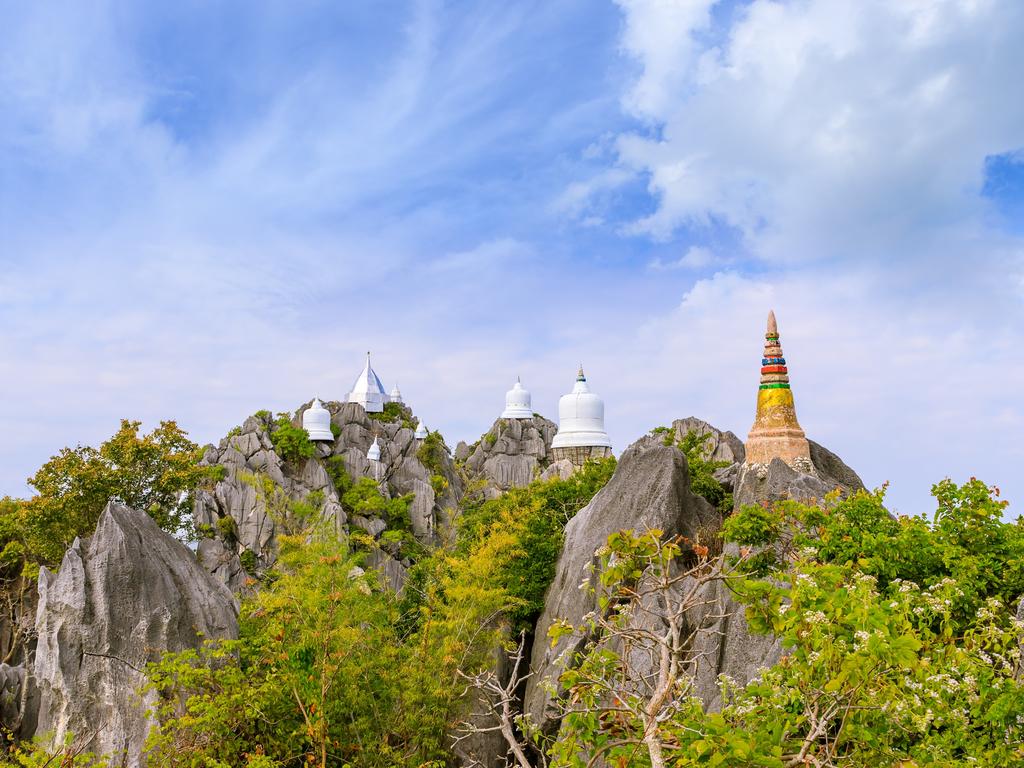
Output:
(120, 598)
(511, 453)
(258, 483)
(758, 483)
(649, 490)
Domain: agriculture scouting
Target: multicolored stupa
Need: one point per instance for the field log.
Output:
(776, 432)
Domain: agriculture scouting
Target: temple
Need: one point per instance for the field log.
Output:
(421, 431)
(518, 403)
(581, 434)
(373, 454)
(368, 391)
(776, 434)
(316, 420)
(396, 395)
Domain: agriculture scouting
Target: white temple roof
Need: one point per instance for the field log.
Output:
(421, 431)
(368, 390)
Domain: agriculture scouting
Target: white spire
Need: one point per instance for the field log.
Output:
(368, 391)
(518, 402)
(316, 420)
(374, 453)
(396, 394)
(581, 418)
(421, 431)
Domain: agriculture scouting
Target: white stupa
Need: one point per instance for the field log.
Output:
(421, 431)
(396, 395)
(368, 391)
(581, 433)
(518, 403)
(316, 420)
(374, 453)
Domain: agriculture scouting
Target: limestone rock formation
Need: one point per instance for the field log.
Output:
(258, 484)
(120, 598)
(511, 453)
(757, 483)
(650, 489)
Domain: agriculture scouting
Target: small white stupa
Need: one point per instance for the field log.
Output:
(368, 391)
(316, 420)
(518, 403)
(421, 431)
(581, 434)
(396, 395)
(374, 453)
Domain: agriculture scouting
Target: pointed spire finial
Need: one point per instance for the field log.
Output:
(773, 327)
(580, 376)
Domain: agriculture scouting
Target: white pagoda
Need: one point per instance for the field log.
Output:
(518, 403)
(368, 391)
(316, 420)
(581, 434)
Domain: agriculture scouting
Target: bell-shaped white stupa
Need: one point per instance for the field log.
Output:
(374, 453)
(421, 431)
(581, 433)
(316, 420)
(396, 395)
(518, 404)
(368, 391)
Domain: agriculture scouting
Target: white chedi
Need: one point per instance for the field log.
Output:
(581, 419)
(316, 420)
(518, 402)
(368, 391)
(374, 453)
(421, 431)
(396, 395)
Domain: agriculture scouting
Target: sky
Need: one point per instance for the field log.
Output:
(211, 208)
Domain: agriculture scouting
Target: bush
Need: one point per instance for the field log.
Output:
(433, 453)
(290, 442)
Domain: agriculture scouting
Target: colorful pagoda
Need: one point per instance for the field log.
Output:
(776, 432)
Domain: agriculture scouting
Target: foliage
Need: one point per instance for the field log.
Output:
(338, 472)
(32, 754)
(311, 681)
(535, 516)
(365, 498)
(155, 473)
(694, 446)
(903, 649)
(433, 453)
(290, 442)
(394, 412)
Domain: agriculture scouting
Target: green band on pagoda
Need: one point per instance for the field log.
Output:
(776, 385)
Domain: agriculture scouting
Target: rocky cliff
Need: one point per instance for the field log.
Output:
(120, 598)
(651, 489)
(239, 514)
(511, 454)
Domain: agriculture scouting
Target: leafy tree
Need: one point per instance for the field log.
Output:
(156, 473)
(311, 681)
(899, 651)
(365, 498)
(694, 446)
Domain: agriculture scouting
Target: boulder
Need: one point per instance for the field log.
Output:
(120, 599)
(649, 490)
(510, 454)
(760, 483)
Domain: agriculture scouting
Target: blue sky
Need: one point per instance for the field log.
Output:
(207, 209)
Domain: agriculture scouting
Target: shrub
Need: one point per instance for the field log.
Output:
(290, 442)
(432, 453)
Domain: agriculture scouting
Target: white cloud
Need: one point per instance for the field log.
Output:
(696, 257)
(825, 128)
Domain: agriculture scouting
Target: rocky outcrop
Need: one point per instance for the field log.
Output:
(510, 454)
(649, 490)
(761, 483)
(120, 599)
(238, 513)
